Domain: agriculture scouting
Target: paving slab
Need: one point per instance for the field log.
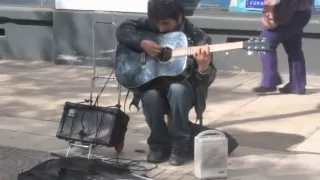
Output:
(288, 118)
(300, 163)
(276, 132)
(14, 161)
(243, 158)
(39, 93)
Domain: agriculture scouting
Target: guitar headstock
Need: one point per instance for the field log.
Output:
(256, 44)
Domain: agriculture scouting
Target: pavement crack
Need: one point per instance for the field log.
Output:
(32, 133)
(46, 120)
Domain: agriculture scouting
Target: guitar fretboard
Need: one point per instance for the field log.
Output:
(213, 48)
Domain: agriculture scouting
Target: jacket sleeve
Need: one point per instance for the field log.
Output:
(205, 78)
(129, 33)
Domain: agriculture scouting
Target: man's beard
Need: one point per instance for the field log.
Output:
(179, 25)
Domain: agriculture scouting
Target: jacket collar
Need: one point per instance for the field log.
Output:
(188, 27)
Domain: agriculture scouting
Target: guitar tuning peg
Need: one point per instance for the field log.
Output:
(261, 52)
(250, 53)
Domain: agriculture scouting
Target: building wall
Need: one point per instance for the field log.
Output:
(73, 38)
(34, 30)
(26, 33)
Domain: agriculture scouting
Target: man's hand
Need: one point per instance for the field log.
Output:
(268, 21)
(201, 55)
(150, 47)
(268, 15)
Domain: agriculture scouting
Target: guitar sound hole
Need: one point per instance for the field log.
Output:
(165, 54)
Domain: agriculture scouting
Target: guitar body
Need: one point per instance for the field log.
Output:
(137, 70)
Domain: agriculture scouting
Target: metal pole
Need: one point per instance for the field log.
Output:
(94, 77)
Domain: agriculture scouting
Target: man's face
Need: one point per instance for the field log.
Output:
(169, 25)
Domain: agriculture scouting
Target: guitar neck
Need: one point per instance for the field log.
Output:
(213, 48)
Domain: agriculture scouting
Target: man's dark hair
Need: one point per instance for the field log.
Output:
(165, 9)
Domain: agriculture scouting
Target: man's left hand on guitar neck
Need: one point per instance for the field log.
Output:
(201, 55)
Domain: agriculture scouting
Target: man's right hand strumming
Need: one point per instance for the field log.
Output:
(150, 47)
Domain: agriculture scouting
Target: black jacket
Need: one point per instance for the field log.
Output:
(129, 34)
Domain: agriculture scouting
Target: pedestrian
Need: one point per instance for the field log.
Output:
(289, 33)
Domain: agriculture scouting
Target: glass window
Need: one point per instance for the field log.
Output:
(243, 6)
(249, 6)
(316, 6)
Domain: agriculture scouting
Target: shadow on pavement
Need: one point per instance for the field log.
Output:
(40, 93)
(265, 118)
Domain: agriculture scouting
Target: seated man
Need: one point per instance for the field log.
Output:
(167, 16)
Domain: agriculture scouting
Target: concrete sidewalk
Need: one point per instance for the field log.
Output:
(277, 133)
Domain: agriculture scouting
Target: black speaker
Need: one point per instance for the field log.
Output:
(88, 124)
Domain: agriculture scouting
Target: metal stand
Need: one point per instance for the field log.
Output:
(96, 76)
(91, 147)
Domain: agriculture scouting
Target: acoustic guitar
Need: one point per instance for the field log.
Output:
(136, 70)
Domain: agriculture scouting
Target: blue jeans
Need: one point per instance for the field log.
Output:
(179, 97)
(290, 35)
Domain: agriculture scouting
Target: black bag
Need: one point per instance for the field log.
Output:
(76, 168)
(105, 126)
(196, 129)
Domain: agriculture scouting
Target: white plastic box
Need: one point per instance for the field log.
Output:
(210, 155)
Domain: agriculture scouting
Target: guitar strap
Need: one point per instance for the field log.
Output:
(135, 101)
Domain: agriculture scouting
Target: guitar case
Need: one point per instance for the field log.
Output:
(77, 168)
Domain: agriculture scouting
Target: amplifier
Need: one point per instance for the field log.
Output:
(88, 124)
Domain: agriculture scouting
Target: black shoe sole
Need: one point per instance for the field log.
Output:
(285, 91)
(269, 90)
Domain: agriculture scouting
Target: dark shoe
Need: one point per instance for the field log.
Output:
(178, 157)
(262, 89)
(158, 156)
(286, 90)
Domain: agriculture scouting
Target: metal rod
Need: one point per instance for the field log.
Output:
(106, 77)
(119, 94)
(93, 54)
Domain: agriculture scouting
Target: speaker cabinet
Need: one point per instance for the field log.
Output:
(103, 126)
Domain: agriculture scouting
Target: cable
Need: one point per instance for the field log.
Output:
(98, 96)
(130, 164)
(99, 128)
(121, 163)
(125, 101)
